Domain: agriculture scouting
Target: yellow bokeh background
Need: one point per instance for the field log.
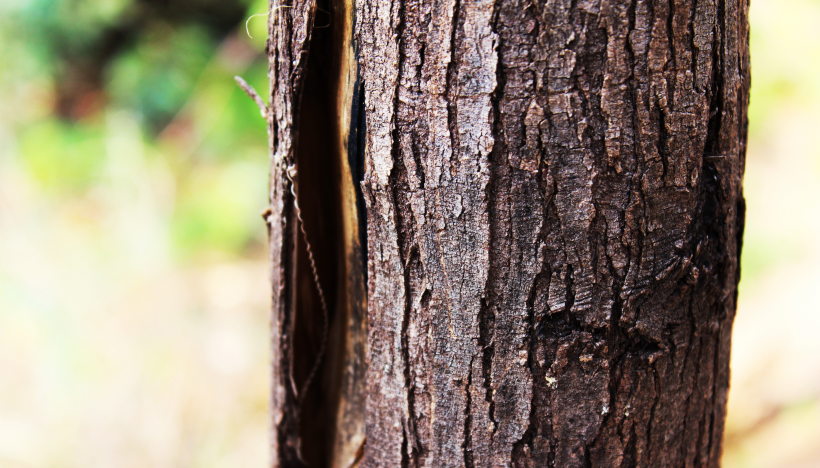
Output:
(133, 272)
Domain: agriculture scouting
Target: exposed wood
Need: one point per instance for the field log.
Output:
(315, 128)
(349, 439)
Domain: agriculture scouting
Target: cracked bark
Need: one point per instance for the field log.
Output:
(554, 216)
(554, 213)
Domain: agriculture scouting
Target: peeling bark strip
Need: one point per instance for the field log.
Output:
(554, 217)
(288, 43)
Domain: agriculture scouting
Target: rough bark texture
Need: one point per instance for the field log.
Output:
(554, 218)
(287, 51)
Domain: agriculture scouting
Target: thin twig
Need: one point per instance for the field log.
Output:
(272, 10)
(253, 95)
(291, 173)
(329, 22)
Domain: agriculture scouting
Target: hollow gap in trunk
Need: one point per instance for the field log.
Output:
(328, 159)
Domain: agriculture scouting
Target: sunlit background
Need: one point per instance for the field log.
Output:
(133, 297)
(133, 278)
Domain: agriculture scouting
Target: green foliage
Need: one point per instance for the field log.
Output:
(216, 206)
(157, 76)
(63, 158)
(70, 65)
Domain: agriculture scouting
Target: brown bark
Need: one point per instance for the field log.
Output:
(552, 194)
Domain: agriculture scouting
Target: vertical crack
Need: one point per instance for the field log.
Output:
(467, 446)
(663, 141)
(405, 459)
(450, 81)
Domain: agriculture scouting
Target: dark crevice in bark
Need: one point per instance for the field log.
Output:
(587, 462)
(570, 298)
(398, 176)
(556, 325)
(405, 459)
(711, 147)
(616, 336)
(740, 222)
(712, 439)
(405, 352)
(420, 66)
(466, 445)
(708, 227)
(630, 28)
(356, 158)
(414, 150)
(452, 80)
(663, 141)
(643, 347)
(670, 36)
(630, 455)
(486, 322)
(656, 398)
(693, 62)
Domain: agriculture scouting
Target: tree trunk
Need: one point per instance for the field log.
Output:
(551, 196)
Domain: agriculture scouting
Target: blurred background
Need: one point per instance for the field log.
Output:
(133, 277)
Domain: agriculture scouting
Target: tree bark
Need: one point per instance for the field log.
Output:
(553, 202)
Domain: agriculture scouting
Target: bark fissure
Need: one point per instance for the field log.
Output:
(452, 66)
(466, 446)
